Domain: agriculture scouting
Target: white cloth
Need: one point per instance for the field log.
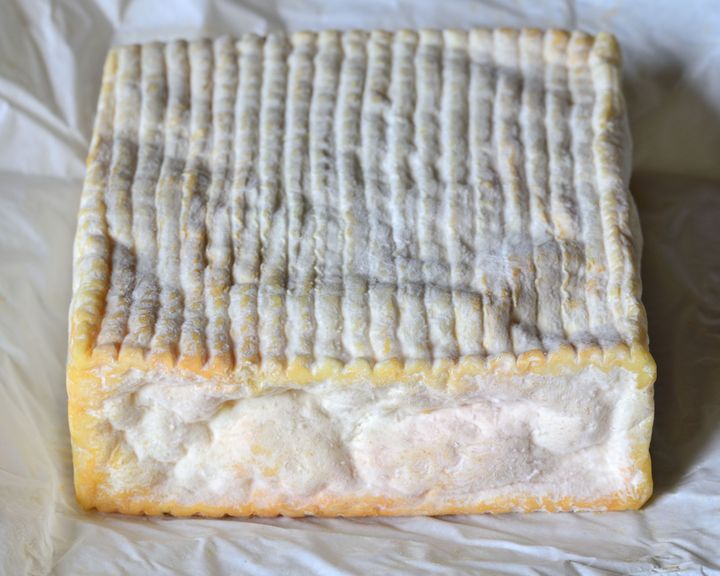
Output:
(51, 56)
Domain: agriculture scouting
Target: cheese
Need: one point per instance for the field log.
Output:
(360, 273)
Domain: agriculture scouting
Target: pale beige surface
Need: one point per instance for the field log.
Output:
(442, 216)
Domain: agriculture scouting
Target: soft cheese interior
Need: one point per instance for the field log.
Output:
(546, 437)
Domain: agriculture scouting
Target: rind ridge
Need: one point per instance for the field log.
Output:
(384, 201)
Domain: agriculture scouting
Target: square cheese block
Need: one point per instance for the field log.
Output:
(360, 273)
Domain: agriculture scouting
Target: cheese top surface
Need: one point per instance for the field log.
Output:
(364, 202)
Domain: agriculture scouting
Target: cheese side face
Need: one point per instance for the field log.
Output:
(360, 273)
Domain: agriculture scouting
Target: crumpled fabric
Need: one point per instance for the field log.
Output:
(51, 55)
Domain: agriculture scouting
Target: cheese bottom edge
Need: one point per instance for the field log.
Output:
(158, 443)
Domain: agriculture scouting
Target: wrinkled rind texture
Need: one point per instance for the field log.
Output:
(435, 209)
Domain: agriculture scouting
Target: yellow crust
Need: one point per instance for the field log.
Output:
(443, 373)
(368, 506)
